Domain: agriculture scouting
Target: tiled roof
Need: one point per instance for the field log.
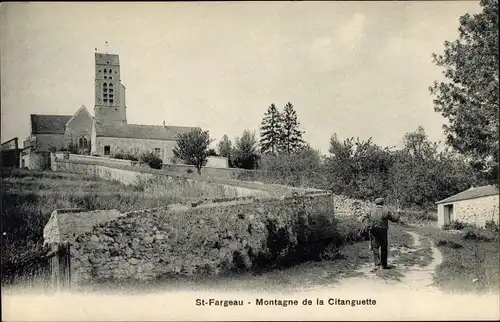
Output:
(135, 131)
(478, 192)
(49, 124)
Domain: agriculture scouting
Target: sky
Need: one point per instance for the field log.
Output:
(357, 69)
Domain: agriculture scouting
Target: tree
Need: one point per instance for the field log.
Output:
(225, 148)
(358, 168)
(421, 175)
(469, 97)
(245, 151)
(192, 147)
(270, 130)
(296, 169)
(291, 137)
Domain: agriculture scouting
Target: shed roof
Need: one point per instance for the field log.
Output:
(49, 124)
(135, 131)
(471, 193)
(65, 225)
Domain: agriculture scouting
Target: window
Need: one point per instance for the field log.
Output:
(82, 142)
(110, 101)
(110, 77)
(111, 90)
(104, 85)
(105, 77)
(107, 150)
(105, 71)
(110, 84)
(157, 152)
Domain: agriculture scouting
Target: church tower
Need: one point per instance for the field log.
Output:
(109, 92)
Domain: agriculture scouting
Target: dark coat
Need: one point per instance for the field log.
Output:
(379, 217)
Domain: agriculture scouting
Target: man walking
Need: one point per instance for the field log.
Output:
(377, 219)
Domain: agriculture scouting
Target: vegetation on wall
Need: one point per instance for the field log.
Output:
(125, 155)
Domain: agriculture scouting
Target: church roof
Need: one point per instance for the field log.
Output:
(136, 131)
(49, 124)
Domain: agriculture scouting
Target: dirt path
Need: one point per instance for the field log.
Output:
(402, 277)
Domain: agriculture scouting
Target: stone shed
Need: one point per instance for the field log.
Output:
(474, 206)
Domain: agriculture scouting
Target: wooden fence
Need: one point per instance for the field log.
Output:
(51, 271)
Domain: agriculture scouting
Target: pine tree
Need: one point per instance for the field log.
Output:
(270, 130)
(291, 137)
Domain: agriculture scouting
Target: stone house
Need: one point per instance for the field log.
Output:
(474, 206)
(105, 133)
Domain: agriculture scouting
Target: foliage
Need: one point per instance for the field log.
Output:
(469, 96)
(271, 130)
(291, 137)
(421, 175)
(245, 154)
(225, 148)
(475, 234)
(212, 153)
(125, 155)
(29, 197)
(295, 169)
(192, 147)
(358, 168)
(151, 159)
(492, 225)
(454, 225)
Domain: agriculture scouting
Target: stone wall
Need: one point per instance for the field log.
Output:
(35, 160)
(99, 160)
(222, 173)
(133, 175)
(211, 238)
(477, 211)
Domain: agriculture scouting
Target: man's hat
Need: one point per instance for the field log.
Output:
(379, 201)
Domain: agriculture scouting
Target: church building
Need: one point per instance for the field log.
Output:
(105, 134)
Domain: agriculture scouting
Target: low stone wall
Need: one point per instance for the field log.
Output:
(100, 160)
(222, 173)
(134, 175)
(131, 175)
(210, 238)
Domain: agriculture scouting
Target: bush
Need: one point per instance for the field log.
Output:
(151, 159)
(492, 225)
(477, 235)
(449, 243)
(125, 155)
(454, 225)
